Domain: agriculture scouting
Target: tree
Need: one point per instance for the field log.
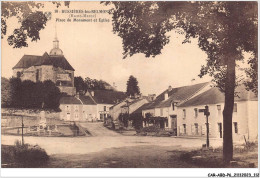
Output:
(225, 30)
(31, 18)
(79, 84)
(5, 92)
(132, 86)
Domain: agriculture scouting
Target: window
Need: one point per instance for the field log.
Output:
(161, 111)
(105, 108)
(184, 128)
(68, 108)
(166, 123)
(235, 127)
(196, 128)
(76, 108)
(219, 109)
(37, 75)
(101, 116)
(235, 107)
(196, 112)
(184, 113)
(18, 74)
(173, 106)
(76, 115)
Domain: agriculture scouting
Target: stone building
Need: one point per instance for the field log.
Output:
(53, 66)
(191, 122)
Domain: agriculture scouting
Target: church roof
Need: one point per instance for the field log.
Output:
(32, 60)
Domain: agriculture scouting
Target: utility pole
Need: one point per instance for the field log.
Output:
(22, 131)
(206, 113)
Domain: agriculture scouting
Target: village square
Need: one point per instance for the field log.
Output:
(83, 122)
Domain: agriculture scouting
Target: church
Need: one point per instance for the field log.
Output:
(53, 66)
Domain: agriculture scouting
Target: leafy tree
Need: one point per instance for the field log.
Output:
(132, 86)
(15, 92)
(224, 31)
(31, 18)
(27, 94)
(51, 95)
(5, 92)
(79, 84)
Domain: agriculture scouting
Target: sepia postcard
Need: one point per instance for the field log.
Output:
(129, 84)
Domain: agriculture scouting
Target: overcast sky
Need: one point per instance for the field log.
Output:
(95, 51)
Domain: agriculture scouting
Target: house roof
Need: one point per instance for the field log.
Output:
(143, 107)
(85, 100)
(132, 102)
(215, 96)
(108, 96)
(69, 100)
(32, 60)
(175, 95)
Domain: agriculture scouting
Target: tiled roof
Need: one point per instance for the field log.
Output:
(215, 96)
(108, 96)
(132, 102)
(31, 60)
(143, 107)
(175, 95)
(69, 100)
(86, 100)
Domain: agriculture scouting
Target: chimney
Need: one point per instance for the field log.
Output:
(92, 93)
(114, 85)
(170, 88)
(166, 96)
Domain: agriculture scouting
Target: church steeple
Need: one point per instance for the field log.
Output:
(56, 50)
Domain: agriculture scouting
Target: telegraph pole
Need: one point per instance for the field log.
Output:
(206, 113)
(22, 131)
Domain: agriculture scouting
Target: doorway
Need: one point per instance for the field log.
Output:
(220, 129)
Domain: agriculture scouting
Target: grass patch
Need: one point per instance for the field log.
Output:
(24, 156)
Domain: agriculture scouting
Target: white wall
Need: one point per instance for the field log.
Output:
(242, 117)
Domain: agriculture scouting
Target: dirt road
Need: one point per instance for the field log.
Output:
(97, 129)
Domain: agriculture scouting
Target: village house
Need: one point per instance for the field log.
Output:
(93, 106)
(78, 108)
(53, 66)
(104, 100)
(163, 110)
(191, 122)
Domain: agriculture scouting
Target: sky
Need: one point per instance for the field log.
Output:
(95, 51)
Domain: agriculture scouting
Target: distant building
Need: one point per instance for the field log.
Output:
(191, 122)
(93, 106)
(163, 110)
(53, 66)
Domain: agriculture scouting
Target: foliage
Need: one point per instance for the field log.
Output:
(27, 94)
(137, 120)
(31, 18)
(143, 26)
(124, 118)
(24, 155)
(5, 94)
(90, 84)
(132, 86)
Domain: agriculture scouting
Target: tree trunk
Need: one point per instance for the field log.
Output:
(228, 111)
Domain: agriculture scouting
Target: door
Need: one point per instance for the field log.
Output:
(174, 124)
(220, 129)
